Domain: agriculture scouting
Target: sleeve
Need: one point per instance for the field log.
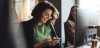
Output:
(69, 27)
(69, 32)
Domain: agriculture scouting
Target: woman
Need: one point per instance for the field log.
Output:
(70, 27)
(39, 31)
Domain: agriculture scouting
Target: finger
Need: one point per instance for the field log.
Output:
(57, 41)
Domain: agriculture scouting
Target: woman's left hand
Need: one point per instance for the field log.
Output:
(55, 41)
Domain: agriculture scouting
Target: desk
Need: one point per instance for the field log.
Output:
(87, 46)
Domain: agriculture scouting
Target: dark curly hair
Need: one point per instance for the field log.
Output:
(39, 8)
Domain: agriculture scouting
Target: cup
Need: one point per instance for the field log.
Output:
(94, 43)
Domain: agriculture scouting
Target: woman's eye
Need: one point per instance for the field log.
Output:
(46, 14)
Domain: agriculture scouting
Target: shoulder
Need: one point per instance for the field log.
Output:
(68, 21)
(28, 22)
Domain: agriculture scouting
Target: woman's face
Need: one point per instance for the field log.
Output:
(73, 12)
(46, 15)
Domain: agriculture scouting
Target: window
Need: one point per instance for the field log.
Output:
(22, 8)
(90, 4)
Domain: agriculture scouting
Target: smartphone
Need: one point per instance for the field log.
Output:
(57, 39)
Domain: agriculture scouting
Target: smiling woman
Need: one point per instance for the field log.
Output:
(46, 15)
(39, 31)
(70, 27)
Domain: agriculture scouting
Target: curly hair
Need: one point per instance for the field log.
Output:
(39, 8)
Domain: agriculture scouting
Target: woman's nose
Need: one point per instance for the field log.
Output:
(49, 17)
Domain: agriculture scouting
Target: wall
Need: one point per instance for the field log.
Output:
(65, 10)
(90, 4)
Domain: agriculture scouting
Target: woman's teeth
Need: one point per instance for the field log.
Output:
(45, 19)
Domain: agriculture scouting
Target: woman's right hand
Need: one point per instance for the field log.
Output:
(51, 42)
(47, 41)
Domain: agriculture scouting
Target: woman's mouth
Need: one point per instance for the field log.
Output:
(46, 19)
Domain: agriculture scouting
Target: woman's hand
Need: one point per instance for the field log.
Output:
(54, 41)
(56, 38)
(50, 42)
(47, 40)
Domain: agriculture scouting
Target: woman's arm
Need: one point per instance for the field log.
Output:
(69, 32)
(43, 43)
(55, 40)
(47, 41)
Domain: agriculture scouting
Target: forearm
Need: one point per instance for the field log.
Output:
(39, 45)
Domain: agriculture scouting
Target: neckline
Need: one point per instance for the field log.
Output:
(41, 25)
